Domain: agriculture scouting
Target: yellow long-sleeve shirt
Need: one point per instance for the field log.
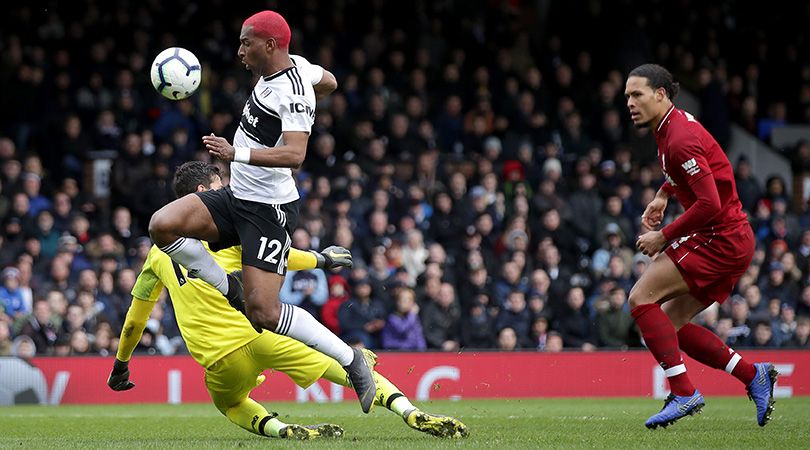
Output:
(209, 325)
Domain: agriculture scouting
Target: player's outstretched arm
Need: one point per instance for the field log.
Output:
(326, 85)
(332, 257)
(138, 314)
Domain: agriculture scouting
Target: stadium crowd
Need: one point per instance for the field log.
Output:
(477, 160)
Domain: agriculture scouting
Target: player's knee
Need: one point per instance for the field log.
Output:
(159, 225)
(265, 316)
(636, 299)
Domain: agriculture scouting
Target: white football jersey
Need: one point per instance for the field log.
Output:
(284, 101)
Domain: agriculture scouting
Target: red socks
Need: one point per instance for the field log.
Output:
(660, 336)
(706, 348)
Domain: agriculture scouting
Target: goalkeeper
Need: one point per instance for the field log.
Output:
(233, 354)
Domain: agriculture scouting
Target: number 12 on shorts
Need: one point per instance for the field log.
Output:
(269, 250)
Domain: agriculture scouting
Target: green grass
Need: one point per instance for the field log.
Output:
(493, 424)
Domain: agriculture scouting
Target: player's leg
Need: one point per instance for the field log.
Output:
(701, 344)
(265, 310)
(230, 380)
(660, 283)
(390, 397)
(177, 229)
(264, 231)
(705, 347)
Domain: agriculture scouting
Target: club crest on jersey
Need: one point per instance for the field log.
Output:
(691, 167)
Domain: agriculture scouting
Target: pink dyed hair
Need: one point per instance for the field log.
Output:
(270, 24)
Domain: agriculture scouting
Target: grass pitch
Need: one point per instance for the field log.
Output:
(493, 424)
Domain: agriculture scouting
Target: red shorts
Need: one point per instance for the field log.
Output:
(711, 262)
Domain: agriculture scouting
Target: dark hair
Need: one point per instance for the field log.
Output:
(657, 77)
(192, 174)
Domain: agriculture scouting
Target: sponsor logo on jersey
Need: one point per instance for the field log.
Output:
(691, 167)
(251, 119)
(301, 108)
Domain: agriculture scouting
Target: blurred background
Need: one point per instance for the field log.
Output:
(477, 158)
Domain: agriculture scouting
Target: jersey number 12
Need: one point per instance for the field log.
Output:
(269, 250)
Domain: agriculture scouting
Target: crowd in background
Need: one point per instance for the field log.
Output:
(477, 159)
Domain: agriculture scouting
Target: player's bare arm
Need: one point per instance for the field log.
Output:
(290, 155)
(651, 242)
(326, 86)
(654, 213)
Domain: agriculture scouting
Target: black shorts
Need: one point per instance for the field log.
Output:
(262, 229)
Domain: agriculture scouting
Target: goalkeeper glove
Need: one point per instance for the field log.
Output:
(119, 377)
(333, 257)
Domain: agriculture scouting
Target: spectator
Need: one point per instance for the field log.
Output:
(362, 317)
(785, 325)
(747, 187)
(441, 319)
(59, 305)
(40, 328)
(510, 281)
(507, 340)
(540, 333)
(12, 300)
(515, 315)
(803, 308)
(47, 235)
(23, 347)
(477, 328)
(307, 289)
(777, 286)
(103, 342)
(753, 296)
(37, 202)
(79, 343)
(339, 292)
(574, 325)
(763, 336)
(613, 246)
(414, 254)
(739, 333)
(615, 325)
(554, 342)
(402, 330)
(801, 336)
(5, 339)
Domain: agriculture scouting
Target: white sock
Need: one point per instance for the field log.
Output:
(191, 254)
(270, 427)
(299, 324)
(400, 405)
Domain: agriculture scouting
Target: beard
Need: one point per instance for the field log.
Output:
(641, 125)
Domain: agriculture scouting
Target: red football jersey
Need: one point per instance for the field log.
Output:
(687, 153)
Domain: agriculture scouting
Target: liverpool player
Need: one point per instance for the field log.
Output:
(705, 250)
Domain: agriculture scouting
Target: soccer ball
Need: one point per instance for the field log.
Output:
(176, 73)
